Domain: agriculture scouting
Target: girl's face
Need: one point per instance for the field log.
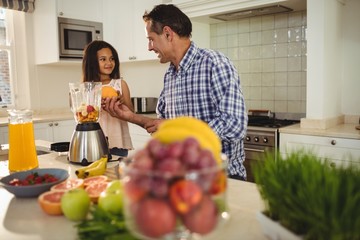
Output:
(106, 63)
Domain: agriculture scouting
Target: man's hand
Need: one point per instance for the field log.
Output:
(152, 125)
(116, 108)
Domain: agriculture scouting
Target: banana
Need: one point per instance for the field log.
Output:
(173, 134)
(98, 170)
(196, 127)
(80, 173)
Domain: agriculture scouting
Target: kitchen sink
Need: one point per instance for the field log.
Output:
(4, 154)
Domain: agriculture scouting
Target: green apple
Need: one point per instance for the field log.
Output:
(75, 204)
(111, 202)
(114, 186)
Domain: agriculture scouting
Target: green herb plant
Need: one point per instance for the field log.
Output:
(309, 197)
(103, 225)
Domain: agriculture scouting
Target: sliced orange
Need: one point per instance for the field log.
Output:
(95, 189)
(68, 184)
(50, 202)
(108, 92)
(95, 179)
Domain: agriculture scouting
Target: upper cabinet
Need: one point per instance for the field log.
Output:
(90, 10)
(125, 28)
(45, 20)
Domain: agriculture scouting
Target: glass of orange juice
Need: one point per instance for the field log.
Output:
(22, 150)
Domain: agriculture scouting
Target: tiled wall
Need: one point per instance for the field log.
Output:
(270, 55)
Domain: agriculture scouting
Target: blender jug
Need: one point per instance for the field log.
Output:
(88, 143)
(22, 150)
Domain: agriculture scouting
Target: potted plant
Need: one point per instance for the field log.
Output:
(308, 197)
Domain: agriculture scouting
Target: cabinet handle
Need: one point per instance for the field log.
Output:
(50, 124)
(61, 13)
(333, 142)
(56, 124)
(132, 58)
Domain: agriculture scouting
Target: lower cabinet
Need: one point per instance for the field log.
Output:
(139, 136)
(338, 151)
(4, 135)
(55, 131)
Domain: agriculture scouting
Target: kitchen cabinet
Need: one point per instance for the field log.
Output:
(339, 151)
(45, 24)
(4, 135)
(125, 29)
(55, 131)
(139, 136)
(90, 10)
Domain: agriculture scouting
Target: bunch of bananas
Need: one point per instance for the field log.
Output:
(178, 129)
(94, 169)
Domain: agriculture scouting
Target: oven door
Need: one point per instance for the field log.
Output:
(254, 154)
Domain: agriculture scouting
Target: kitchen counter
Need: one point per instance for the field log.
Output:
(58, 116)
(38, 118)
(342, 131)
(22, 218)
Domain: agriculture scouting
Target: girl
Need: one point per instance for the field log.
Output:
(101, 64)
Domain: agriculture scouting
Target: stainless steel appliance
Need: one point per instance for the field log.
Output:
(88, 142)
(75, 34)
(262, 137)
(144, 104)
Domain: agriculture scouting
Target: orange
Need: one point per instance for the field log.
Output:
(95, 189)
(95, 179)
(68, 184)
(108, 92)
(50, 202)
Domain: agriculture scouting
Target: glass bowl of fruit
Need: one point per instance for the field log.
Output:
(174, 191)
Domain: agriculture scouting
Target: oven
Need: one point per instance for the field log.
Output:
(262, 137)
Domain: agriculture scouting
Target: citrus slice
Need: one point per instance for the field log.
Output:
(70, 183)
(95, 179)
(50, 202)
(108, 92)
(95, 189)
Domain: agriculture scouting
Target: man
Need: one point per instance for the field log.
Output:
(199, 82)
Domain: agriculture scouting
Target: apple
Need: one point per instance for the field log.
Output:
(114, 186)
(111, 202)
(75, 204)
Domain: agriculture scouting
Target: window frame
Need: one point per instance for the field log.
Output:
(10, 48)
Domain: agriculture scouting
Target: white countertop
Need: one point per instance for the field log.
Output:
(22, 218)
(341, 131)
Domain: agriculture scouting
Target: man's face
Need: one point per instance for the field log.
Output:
(158, 44)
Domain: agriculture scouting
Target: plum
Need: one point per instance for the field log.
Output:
(155, 218)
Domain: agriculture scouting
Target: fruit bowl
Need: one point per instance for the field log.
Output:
(33, 190)
(168, 195)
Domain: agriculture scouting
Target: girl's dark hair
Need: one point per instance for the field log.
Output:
(169, 15)
(90, 63)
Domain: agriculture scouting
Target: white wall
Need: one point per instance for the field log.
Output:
(351, 58)
(145, 79)
(333, 59)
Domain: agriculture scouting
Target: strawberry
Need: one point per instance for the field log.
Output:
(90, 108)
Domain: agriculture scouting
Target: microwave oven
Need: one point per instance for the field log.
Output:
(75, 34)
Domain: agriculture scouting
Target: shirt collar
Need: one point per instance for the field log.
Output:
(187, 59)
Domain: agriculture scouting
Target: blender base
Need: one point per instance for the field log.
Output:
(88, 144)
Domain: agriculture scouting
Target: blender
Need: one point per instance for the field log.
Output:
(88, 142)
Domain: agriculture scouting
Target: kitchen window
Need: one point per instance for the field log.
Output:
(6, 59)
